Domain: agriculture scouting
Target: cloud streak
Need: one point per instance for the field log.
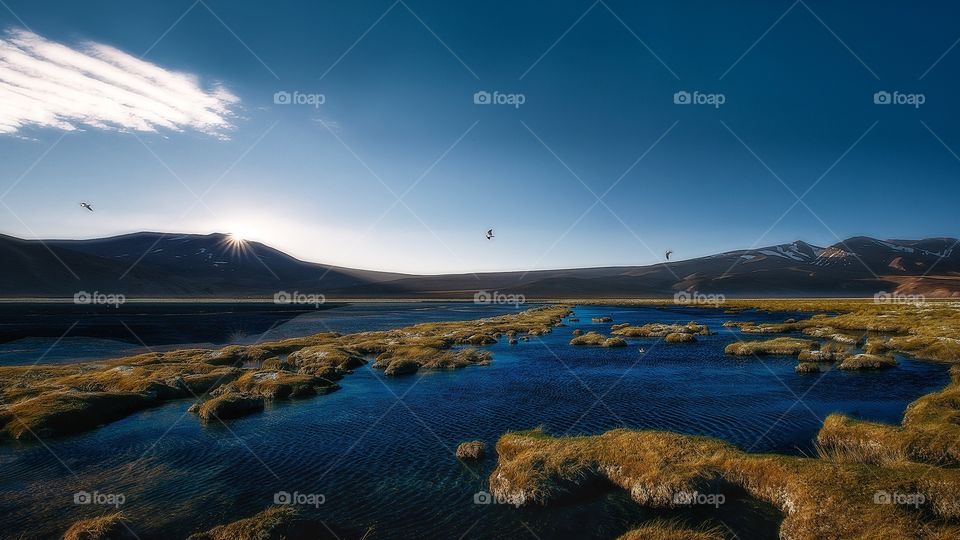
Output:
(45, 84)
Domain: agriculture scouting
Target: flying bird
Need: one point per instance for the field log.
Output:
(87, 206)
(489, 234)
(668, 254)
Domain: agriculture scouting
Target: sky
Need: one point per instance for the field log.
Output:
(391, 135)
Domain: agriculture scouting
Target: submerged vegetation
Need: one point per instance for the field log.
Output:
(274, 523)
(666, 530)
(107, 527)
(58, 399)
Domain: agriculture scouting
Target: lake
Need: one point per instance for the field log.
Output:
(381, 450)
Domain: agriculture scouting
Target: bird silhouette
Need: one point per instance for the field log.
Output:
(87, 206)
(489, 234)
(668, 254)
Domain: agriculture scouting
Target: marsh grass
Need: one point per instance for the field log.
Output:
(597, 340)
(70, 398)
(819, 497)
(776, 346)
(471, 450)
(107, 527)
(274, 523)
(659, 329)
(661, 529)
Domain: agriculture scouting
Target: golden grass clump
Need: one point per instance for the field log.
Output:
(776, 346)
(590, 338)
(107, 527)
(661, 330)
(274, 523)
(227, 405)
(830, 351)
(66, 412)
(667, 530)
(597, 340)
(680, 337)
(614, 342)
(867, 361)
(807, 367)
(928, 433)
(471, 450)
(273, 384)
(819, 498)
(326, 361)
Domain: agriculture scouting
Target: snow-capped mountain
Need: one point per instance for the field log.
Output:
(214, 265)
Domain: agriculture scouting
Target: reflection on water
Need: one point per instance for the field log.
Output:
(381, 449)
(66, 332)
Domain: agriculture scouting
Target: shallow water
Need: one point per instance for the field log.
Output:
(381, 449)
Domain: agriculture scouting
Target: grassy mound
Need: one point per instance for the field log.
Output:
(828, 352)
(660, 330)
(868, 361)
(807, 367)
(228, 405)
(597, 340)
(471, 450)
(274, 523)
(677, 337)
(666, 530)
(108, 527)
(820, 498)
(590, 338)
(928, 433)
(776, 346)
(65, 412)
(281, 384)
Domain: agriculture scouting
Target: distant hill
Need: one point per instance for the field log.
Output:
(188, 265)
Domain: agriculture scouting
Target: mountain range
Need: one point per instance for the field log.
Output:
(150, 264)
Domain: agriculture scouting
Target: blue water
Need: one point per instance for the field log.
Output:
(48, 333)
(381, 449)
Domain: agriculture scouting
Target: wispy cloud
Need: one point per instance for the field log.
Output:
(51, 85)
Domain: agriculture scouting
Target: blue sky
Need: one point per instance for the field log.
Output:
(597, 80)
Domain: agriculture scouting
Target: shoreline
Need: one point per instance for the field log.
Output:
(613, 301)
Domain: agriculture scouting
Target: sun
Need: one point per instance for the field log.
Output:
(235, 244)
